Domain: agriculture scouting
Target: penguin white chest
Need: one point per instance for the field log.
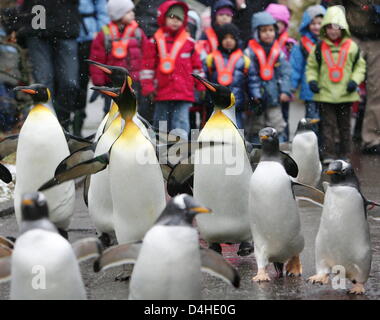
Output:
(176, 269)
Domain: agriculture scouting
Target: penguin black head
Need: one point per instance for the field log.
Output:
(342, 172)
(180, 211)
(221, 96)
(39, 92)
(269, 139)
(34, 206)
(116, 74)
(306, 124)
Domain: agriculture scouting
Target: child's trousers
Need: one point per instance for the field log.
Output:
(335, 118)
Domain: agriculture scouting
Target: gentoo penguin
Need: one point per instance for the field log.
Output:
(305, 153)
(274, 217)
(43, 264)
(343, 237)
(40, 148)
(222, 175)
(169, 261)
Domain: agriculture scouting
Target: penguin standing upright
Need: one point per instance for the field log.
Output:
(343, 237)
(43, 264)
(41, 146)
(305, 153)
(274, 217)
(222, 175)
(172, 244)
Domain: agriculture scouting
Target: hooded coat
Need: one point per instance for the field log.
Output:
(269, 91)
(298, 57)
(178, 85)
(336, 92)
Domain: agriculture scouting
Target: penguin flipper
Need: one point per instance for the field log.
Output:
(118, 255)
(325, 185)
(180, 179)
(308, 193)
(5, 251)
(85, 168)
(76, 143)
(6, 242)
(215, 264)
(5, 174)
(5, 269)
(87, 248)
(75, 158)
(290, 165)
(86, 187)
(8, 146)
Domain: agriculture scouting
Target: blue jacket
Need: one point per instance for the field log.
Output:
(298, 56)
(92, 24)
(243, 77)
(269, 91)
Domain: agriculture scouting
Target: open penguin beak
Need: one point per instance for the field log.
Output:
(209, 85)
(26, 90)
(111, 92)
(101, 66)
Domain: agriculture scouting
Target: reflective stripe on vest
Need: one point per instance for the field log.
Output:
(307, 44)
(283, 39)
(120, 43)
(225, 72)
(167, 60)
(336, 70)
(266, 63)
(212, 38)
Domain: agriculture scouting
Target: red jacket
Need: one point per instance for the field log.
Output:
(178, 85)
(100, 54)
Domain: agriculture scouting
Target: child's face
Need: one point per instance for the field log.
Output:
(315, 26)
(229, 42)
(333, 32)
(222, 19)
(267, 34)
(128, 17)
(173, 23)
(281, 27)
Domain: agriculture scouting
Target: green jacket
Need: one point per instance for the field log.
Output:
(354, 69)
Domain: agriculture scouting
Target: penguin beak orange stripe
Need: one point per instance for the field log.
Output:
(30, 91)
(264, 137)
(330, 172)
(27, 202)
(201, 210)
(109, 93)
(204, 82)
(313, 121)
(104, 69)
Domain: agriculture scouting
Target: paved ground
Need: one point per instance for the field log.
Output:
(103, 286)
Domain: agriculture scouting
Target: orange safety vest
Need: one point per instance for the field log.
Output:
(167, 60)
(212, 38)
(266, 63)
(225, 72)
(283, 39)
(336, 70)
(307, 44)
(120, 42)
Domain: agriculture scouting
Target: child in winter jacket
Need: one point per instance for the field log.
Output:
(272, 81)
(118, 44)
(334, 69)
(309, 30)
(168, 61)
(228, 66)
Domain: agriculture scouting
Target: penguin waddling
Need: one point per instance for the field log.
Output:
(43, 264)
(274, 217)
(169, 261)
(305, 153)
(41, 146)
(343, 237)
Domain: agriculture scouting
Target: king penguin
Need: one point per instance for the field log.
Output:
(274, 217)
(343, 237)
(43, 264)
(305, 153)
(41, 146)
(222, 175)
(172, 244)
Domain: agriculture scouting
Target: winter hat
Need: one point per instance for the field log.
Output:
(229, 28)
(177, 11)
(194, 24)
(259, 19)
(118, 8)
(315, 11)
(279, 12)
(225, 10)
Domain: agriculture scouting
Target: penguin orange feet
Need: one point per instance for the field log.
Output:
(294, 267)
(319, 278)
(358, 288)
(262, 276)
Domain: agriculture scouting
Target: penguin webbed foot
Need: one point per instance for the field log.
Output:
(319, 278)
(357, 289)
(294, 267)
(261, 276)
(245, 248)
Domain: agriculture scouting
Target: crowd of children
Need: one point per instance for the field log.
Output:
(325, 64)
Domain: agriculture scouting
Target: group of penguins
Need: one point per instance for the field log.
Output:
(127, 199)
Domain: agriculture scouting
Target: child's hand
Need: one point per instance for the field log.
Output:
(284, 97)
(314, 86)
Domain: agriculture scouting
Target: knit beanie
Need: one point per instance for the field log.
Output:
(229, 28)
(225, 10)
(118, 8)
